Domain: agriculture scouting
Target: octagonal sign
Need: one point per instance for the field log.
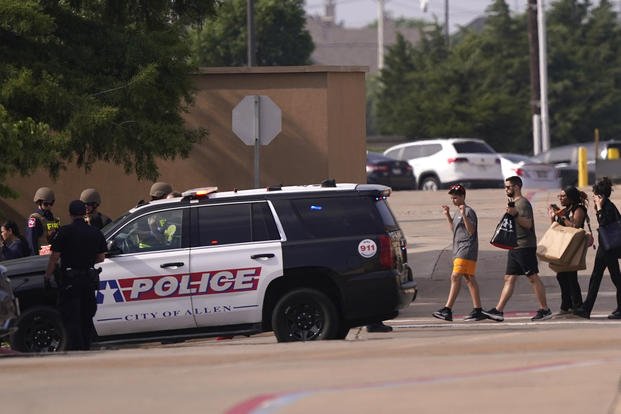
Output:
(257, 114)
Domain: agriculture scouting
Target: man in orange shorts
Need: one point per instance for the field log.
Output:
(465, 252)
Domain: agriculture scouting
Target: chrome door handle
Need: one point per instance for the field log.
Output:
(173, 265)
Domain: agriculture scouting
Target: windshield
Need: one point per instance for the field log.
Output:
(520, 158)
(473, 147)
(106, 229)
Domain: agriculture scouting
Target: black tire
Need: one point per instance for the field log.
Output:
(430, 183)
(39, 329)
(305, 315)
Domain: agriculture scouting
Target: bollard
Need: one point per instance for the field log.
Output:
(612, 154)
(583, 173)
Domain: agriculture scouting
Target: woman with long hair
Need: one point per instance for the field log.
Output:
(606, 213)
(13, 244)
(572, 213)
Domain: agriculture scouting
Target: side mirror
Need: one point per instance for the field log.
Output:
(114, 248)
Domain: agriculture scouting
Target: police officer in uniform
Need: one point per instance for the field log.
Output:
(78, 246)
(91, 198)
(41, 224)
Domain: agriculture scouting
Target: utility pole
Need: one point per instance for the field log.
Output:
(533, 42)
(250, 35)
(446, 23)
(380, 34)
(543, 76)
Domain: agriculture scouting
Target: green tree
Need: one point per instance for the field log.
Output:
(281, 37)
(95, 80)
(584, 71)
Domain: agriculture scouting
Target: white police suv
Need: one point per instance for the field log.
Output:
(307, 262)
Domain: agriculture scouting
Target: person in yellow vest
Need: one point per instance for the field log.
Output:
(42, 224)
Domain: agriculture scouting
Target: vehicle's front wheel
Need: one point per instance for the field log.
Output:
(305, 315)
(430, 184)
(39, 329)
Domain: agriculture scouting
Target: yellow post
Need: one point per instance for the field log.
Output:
(583, 173)
(612, 154)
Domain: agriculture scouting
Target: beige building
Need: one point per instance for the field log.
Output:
(323, 136)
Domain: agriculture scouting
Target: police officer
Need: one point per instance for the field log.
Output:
(91, 198)
(78, 246)
(160, 190)
(41, 224)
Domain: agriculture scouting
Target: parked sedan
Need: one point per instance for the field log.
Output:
(387, 171)
(533, 173)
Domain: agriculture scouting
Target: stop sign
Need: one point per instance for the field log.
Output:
(257, 115)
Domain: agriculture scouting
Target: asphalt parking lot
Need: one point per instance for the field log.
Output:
(425, 365)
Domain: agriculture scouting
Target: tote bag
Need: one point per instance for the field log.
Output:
(611, 235)
(505, 236)
(560, 244)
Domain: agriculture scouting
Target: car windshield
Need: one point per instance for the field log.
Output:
(472, 147)
(106, 229)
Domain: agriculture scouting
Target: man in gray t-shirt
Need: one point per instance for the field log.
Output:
(465, 252)
(523, 259)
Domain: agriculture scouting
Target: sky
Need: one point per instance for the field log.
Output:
(358, 13)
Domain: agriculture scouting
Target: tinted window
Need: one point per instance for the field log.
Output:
(411, 152)
(472, 147)
(387, 217)
(395, 153)
(235, 223)
(161, 230)
(430, 149)
(338, 216)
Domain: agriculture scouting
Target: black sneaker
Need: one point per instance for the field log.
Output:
(615, 315)
(379, 327)
(476, 315)
(583, 313)
(494, 314)
(542, 315)
(444, 313)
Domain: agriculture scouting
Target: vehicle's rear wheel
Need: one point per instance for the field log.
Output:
(305, 315)
(39, 329)
(430, 184)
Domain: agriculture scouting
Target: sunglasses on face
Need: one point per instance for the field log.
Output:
(46, 204)
(92, 205)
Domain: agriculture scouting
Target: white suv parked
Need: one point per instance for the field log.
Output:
(439, 163)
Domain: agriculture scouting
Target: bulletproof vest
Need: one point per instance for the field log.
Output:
(49, 228)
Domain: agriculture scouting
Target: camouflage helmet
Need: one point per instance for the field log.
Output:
(44, 194)
(90, 195)
(160, 189)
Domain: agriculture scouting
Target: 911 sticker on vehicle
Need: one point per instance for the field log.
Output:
(171, 286)
(367, 248)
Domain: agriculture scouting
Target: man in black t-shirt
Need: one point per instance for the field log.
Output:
(78, 246)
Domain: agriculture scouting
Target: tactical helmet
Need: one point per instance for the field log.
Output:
(90, 195)
(44, 194)
(160, 189)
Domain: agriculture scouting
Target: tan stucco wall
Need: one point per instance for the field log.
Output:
(323, 136)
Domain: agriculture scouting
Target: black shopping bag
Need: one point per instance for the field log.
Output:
(505, 236)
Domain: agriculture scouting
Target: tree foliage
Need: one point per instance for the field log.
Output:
(88, 80)
(480, 87)
(281, 37)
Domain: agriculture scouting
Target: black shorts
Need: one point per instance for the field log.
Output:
(522, 261)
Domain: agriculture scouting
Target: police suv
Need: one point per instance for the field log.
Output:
(307, 262)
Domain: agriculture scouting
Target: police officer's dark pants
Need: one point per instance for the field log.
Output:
(77, 308)
(571, 295)
(603, 260)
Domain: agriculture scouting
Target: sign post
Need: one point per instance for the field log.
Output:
(257, 120)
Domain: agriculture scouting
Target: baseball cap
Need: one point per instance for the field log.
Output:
(457, 189)
(77, 208)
